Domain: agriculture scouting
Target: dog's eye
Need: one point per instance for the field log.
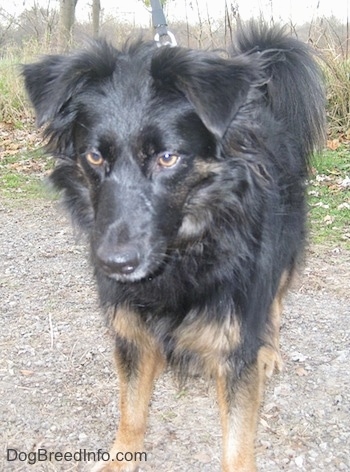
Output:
(94, 158)
(168, 159)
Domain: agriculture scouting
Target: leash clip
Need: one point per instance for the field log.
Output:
(167, 39)
(163, 36)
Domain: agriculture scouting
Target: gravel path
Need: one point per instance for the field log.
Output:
(58, 390)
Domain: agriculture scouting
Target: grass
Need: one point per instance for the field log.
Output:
(14, 107)
(329, 199)
(22, 175)
(336, 70)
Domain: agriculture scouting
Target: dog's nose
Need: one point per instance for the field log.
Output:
(122, 261)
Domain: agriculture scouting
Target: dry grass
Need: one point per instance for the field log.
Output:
(337, 73)
(14, 107)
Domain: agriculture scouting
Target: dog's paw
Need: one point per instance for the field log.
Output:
(111, 466)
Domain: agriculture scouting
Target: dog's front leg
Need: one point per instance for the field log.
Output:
(139, 362)
(239, 401)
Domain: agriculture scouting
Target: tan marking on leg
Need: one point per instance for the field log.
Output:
(270, 353)
(135, 390)
(239, 415)
(134, 401)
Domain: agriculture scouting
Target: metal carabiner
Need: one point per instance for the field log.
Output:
(167, 39)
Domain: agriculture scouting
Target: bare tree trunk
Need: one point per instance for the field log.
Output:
(67, 17)
(96, 10)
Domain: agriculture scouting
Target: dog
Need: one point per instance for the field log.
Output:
(187, 171)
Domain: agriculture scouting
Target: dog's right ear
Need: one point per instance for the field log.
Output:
(51, 85)
(54, 81)
(47, 86)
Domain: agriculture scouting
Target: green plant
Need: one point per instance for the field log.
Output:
(329, 199)
(23, 175)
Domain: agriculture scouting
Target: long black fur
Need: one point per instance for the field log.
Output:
(210, 236)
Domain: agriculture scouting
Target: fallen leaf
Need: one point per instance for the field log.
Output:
(333, 144)
(27, 373)
(301, 372)
(328, 220)
(346, 182)
(344, 206)
(321, 205)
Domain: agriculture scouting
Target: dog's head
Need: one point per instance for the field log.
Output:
(139, 134)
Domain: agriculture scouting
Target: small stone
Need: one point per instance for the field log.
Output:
(324, 446)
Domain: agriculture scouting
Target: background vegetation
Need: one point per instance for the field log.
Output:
(41, 30)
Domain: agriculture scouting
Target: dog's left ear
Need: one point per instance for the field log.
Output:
(215, 86)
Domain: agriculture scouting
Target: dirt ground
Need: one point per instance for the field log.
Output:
(58, 389)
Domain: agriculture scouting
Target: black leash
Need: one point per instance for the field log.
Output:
(163, 36)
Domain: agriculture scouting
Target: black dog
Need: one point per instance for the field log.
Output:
(187, 170)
